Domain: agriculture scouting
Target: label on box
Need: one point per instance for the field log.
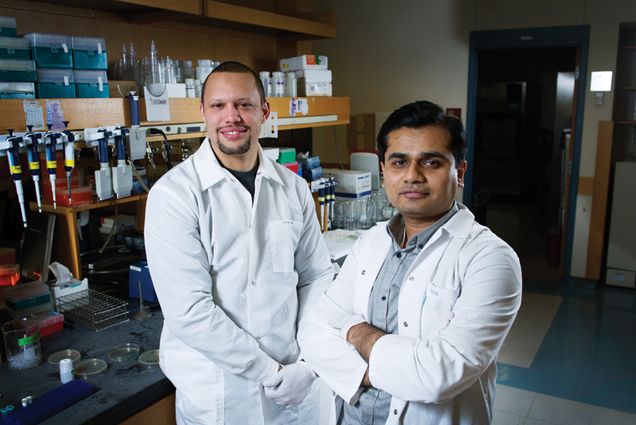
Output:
(33, 114)
(157, 107)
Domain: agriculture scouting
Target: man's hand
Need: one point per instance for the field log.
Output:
(290, 385)
(363, 336)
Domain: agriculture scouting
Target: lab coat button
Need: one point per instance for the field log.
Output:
(398, 255)
(363, 272)
(411, 278)
(253, 283)
(406, 324)
(395, 411)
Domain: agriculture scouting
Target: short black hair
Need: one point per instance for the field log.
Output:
(422, 114)
(232, 66)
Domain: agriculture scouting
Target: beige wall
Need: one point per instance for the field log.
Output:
(390, 53)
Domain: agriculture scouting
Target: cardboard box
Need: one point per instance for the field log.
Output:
(361, 132)
(350, 183)
(303, 62)
(314, 89)
(314, 75)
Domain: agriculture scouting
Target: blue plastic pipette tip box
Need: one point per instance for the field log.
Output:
(50, 403)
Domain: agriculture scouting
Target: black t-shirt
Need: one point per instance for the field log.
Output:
(247, 178)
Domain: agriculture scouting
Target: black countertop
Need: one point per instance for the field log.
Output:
(122, 390)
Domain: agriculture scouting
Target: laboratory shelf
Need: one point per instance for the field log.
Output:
(68, 252)
(217, 14)
(88, 113)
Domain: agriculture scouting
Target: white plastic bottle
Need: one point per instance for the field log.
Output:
(278, 79)
(66, 370)
(290, 84)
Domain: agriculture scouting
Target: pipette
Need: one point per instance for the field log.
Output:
(16, 170)
(69, 158)
(103, 176)
(321, 202)
(34, 162)
(51, 158)
(122, 173)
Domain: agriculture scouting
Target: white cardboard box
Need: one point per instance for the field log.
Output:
(303, 62)
(350, 183)
(314, 89)
(314, 75)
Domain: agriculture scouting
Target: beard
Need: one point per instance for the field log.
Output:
(234, 150)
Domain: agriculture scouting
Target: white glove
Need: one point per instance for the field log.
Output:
(290, 385)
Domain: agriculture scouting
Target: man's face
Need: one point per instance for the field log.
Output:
(233, 113)
(420, 174)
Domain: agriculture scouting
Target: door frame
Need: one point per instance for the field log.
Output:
(532, 38)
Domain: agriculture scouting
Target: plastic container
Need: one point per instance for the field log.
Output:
(7, 255)
(8, 27)
(27, 295)
(13, 70)
(50, 322)
(51, 50)
(14, 48)
(17, 91)
(9, 274)
(266, 80)
(56, 83)
(89, 53)
(290, 85)
(91, 84)
(66, 370)
(22, 343)
(278, 83)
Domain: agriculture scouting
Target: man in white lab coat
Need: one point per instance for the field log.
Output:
(237, 259)
(410, 330)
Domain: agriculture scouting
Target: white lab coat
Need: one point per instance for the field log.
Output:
(456, 306)
(234, 280)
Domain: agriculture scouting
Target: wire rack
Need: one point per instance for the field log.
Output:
(95, 310)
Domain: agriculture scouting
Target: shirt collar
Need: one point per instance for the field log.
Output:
(211, 172)
(451, 223)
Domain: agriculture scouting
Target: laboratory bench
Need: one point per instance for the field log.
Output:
(127, 392)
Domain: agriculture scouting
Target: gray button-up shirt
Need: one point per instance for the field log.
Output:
(373, 405)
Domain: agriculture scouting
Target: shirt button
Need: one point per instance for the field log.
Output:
(253, 283)
(411, 278)
(406, 324)
(383, 298)
(395, 411)
(399, 255)
(420, 246)
(364, 271)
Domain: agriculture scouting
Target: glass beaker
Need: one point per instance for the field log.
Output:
(22, 343)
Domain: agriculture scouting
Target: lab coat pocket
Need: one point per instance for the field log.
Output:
(438, 308)
(283, 240)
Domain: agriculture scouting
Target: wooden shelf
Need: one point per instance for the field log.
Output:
(626, 88)
(625, 123)
(68, 244)
(257, 19)
(212, 13)
(86, 113)
(86, 207)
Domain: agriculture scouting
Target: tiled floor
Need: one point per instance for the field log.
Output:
(569, 358)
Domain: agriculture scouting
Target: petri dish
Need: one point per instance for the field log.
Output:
(124, 352)
(90, 367)
(58, 356)
(150, 357)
